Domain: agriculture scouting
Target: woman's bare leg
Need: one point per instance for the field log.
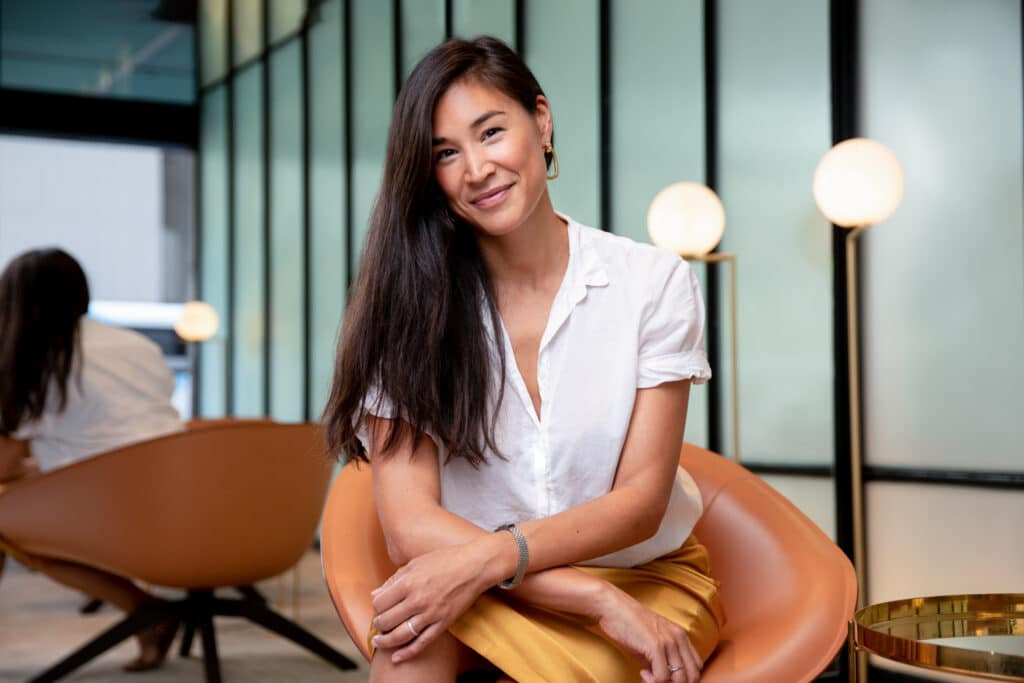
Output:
(441, 662)
(118, 591)
(438, 663)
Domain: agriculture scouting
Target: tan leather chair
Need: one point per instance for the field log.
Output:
(223, 506)
(789, 592)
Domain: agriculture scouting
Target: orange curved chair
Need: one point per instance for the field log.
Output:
(220, 507)
(789, 592)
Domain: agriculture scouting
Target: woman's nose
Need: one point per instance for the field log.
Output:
(478, 167)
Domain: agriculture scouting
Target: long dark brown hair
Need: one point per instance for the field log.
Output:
(43, 295)
(416, 329)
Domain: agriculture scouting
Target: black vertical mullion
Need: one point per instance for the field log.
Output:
(267, 289)
(229, 347)
(716, 428)
(307, 331)
(397, 56)
(520, 27)
(346, 69)
(197, 209)
(604, 46)
(843, 34)
(448, 19)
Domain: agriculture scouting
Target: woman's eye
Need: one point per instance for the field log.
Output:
(444, 154)
(491, 132)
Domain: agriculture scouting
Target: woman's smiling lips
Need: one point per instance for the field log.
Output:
(491, 198)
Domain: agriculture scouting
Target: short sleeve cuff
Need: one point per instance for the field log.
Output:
(671, 367)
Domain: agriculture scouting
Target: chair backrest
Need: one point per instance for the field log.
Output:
(222, 506)
(788, 590)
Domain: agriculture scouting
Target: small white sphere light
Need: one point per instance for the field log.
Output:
(687, 218)
(858, 183)
(198, 322)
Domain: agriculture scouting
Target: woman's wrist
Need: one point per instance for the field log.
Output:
(500, 554)
(606, 599)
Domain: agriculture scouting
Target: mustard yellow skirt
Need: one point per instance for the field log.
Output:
(533, 645)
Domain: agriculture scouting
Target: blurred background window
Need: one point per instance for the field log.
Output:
(130, 49)
(126, 212)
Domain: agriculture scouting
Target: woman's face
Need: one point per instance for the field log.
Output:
(489, 155)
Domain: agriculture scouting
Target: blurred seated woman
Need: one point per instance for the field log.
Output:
(71, 388)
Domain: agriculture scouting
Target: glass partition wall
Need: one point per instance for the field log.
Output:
(741, 97)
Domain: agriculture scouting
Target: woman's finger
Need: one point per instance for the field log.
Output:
(391, 619)
(659, 663)
(400, 635)
(425, 638)
(387, 596)
(690, 662)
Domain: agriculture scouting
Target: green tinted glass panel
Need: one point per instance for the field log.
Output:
(213, 39)
(373, 91)
(566, 63)
(213, 264)
(247, 29)
(422, 29)
(285, 18)
(328, 258)
(657, 107)
(657, 124)
(248, 333)
(943, 278)
(287, 240)
(472, 18)
(774, 125)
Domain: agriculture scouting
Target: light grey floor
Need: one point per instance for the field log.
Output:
(40, 623)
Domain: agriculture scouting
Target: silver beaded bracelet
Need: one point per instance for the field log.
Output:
(524, 556)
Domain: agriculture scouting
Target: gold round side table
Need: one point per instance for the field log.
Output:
(976, 635)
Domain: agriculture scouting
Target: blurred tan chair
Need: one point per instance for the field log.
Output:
(789, 592)
(223, 506)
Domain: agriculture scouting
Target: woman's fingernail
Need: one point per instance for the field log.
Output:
(396, 659)
(376, 641)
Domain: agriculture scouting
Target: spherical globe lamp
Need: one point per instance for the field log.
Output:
(858, 183)
(198, 322)
(687, 218)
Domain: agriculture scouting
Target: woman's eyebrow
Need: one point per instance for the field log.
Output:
(479, 121)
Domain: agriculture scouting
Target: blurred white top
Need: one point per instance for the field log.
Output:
(123, 396)
(627, 316)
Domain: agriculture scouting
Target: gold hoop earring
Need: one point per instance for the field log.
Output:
(550, 149)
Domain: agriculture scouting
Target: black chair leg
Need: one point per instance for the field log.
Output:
(90, 607)
(261, 614)
(211, 663)
(252, 593)
(127, 627)
(188, 633)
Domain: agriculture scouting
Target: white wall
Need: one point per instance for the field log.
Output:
(101, 202)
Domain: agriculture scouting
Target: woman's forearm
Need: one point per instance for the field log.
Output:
(565, 589)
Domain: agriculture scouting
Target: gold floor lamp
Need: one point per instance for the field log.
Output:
(689, 219)
(858, 183)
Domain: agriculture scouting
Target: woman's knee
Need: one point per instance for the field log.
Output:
(439, 661)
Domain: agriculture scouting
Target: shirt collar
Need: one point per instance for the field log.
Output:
(587, 264)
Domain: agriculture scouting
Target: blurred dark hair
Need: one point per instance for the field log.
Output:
(416, 327)
(43, 294)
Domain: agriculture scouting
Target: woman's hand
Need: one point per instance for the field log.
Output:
(662, 646)
(430, 593)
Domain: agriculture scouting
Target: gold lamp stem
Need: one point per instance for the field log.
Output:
(858, 668)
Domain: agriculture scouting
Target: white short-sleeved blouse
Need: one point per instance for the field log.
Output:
(119, 393)
(626, 316)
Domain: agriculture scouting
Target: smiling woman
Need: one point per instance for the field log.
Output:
(555, 475)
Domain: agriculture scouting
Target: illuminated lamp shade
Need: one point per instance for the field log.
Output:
(198, 322)
(687, 218)
(858, 183)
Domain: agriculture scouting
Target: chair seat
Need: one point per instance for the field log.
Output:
(788, 591)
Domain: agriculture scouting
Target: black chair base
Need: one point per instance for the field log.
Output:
(196, 612)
